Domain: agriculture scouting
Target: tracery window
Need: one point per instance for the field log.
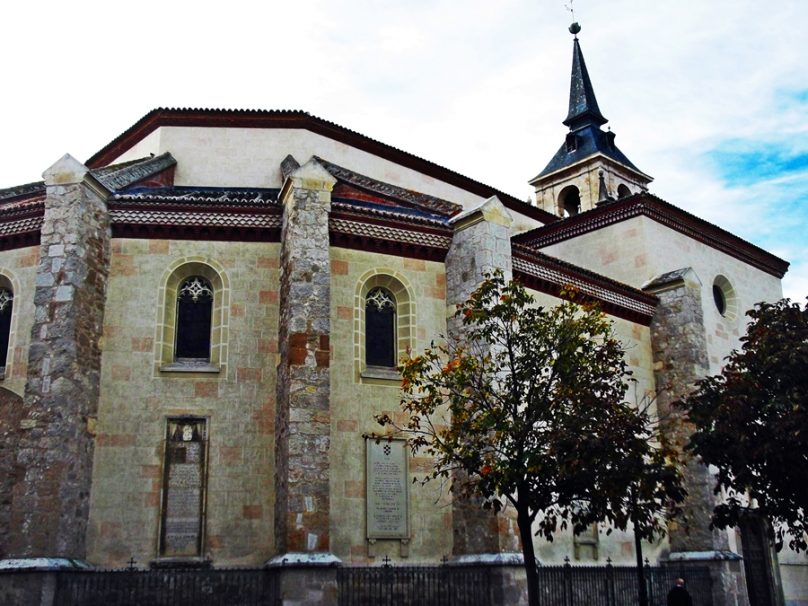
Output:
(380, 328)
(6, 310)
(194, 314)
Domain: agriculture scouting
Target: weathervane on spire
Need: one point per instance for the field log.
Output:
(574, 28)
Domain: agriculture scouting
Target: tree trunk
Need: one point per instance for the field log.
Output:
(641, 589)
(526, 534)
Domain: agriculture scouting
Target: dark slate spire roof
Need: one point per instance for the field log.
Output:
(584, 108)
(584, 121)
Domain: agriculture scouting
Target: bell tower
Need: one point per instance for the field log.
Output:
(588, 170)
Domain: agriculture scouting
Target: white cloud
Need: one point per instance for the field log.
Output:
(480, 87)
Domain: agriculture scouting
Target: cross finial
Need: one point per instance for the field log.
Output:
(445, 560)
(574, 28)
(386, 561)
(132, 563)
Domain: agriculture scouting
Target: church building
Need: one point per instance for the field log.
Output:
(199, 323)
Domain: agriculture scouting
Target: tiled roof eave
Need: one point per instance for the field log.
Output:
(551, 276)
(578, 163)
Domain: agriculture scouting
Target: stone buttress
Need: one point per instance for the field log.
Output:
(680, 358)
(50, 505)
(303, 418)
(481, 244)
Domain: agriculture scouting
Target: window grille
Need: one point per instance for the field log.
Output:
(380, 328)
(194, 314)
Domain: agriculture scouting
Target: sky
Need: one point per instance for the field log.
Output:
(710, 98)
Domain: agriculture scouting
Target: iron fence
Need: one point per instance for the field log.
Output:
(617, 585)
(444, 585)
(414, 586)
(168, 587)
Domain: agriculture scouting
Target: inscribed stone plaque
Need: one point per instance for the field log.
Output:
(183, 488)
(387, 490)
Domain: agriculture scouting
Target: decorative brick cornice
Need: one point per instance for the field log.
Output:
(662, 212)
(21, 223)
(395, 236)
(549, 275)
(213, 118)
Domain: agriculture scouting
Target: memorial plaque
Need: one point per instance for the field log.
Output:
(183, 489)
(387, 489)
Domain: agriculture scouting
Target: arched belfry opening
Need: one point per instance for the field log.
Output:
(569, 201)
(623, 191)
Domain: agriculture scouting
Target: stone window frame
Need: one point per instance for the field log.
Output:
(179, 271)
(401, 290)
(721, 285)
(9, 281)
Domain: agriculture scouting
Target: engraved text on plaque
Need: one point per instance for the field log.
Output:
(387, 489)
(183, 489)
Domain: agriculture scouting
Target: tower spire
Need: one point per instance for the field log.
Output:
(584, 108)
(588, 170)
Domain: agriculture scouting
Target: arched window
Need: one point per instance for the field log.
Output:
(623, 191)
(194, 313)
(384, 324)
(569, 201)
(193, 317)
(6, 309)
(380, 328)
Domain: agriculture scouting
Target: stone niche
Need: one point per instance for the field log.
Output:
(182, 520)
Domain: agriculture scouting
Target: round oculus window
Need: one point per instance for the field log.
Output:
(726, 302)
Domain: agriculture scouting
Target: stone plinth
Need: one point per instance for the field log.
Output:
(306, 579)
(50, 503)
(32, 581)
(726, 572)
(303, 417)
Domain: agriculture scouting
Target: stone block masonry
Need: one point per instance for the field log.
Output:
(50, 500)
(480, 245)
(303, 417)
(679, 343)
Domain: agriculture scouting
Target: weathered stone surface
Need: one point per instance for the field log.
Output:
(303, 421)
(10, 417)
(680, 359)
(480, 245)
(50, 502)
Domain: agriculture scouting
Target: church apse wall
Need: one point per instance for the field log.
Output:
(636, 250)
(18, 275)
(359, 393)
(594, 547)
(232, 411)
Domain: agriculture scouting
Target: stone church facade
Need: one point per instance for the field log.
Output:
(202, 320)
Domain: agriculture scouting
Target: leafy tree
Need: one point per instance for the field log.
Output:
(751, 422)
(528, 408)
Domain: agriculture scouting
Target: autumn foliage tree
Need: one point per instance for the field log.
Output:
(529, 406)
(751, 423)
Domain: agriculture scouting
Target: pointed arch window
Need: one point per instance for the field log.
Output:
(194, 314)
(6, 309)
(380, 328)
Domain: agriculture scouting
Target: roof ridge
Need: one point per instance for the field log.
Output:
(302, 119)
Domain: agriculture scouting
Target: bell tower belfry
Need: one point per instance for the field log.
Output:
(588, 170)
